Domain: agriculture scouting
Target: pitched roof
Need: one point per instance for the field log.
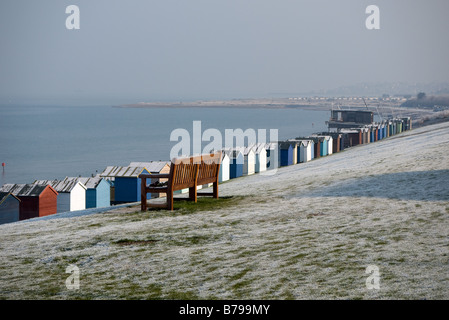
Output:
(4, 196)
(128, 172)
(152, 166)
(90, 182)
(24, 190)
(63, 186)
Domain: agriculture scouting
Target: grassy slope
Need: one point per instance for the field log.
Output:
(307, 232)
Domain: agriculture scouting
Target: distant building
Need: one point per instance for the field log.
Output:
(341, 119)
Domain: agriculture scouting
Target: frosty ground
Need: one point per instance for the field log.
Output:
(307, 232)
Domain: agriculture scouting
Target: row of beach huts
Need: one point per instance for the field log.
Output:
(121, 184)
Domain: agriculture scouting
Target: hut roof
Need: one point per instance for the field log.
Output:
(285, 144)
(90, 182)
(24, 190)
(233, 153)
(247, 150)
(127, 172)
(259, 147)
(4, 196)
(63, 186)
(152, 166)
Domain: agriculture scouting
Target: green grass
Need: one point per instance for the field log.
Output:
(183, 206)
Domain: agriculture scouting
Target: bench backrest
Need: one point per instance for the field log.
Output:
(209, 168)
(192, 171)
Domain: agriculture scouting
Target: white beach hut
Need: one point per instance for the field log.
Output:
(224, 167)
(249, 164)
(261, 157)
(330, 144)
(305, 151)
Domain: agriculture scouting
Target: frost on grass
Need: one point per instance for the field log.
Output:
(308, 232)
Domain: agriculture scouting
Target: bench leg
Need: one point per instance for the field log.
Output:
(143, 194)
(193, 193)
(170, 201)
(215, 186)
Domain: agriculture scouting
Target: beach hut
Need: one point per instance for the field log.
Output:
(98, 192)
(365, 135)
(352, 137)
(330, 144)
(324, 144)
(312, 149)
(317, 143)
(285, 153)
(296, 144)
(261, 157)
(407, 123)
(236, 161)
(336, 138)
(249, 158)
(272, 155)
(295, 150)
(71, 193)
(126, 182)
(305, 151)
(35, 200)
(224, 168)
(371, 133)
(9, 207)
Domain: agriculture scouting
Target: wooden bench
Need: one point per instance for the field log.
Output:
(188, 172)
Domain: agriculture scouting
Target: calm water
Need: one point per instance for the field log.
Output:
(55, 142)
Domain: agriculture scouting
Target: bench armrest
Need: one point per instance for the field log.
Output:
(155, 176)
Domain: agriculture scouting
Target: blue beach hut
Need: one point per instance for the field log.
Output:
(323, 141)
(9, 208)
(272, 155)
(126, 182)
(98, 192)
(285, 154)
(236, 160)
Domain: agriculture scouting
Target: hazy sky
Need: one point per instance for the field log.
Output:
(143, 50)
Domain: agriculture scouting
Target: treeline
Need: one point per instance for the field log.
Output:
(428, 102)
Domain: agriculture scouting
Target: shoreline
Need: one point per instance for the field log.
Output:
(385, 109)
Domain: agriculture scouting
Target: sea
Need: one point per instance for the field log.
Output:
(53, 142)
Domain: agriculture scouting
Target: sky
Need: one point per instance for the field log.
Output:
(169, 50)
